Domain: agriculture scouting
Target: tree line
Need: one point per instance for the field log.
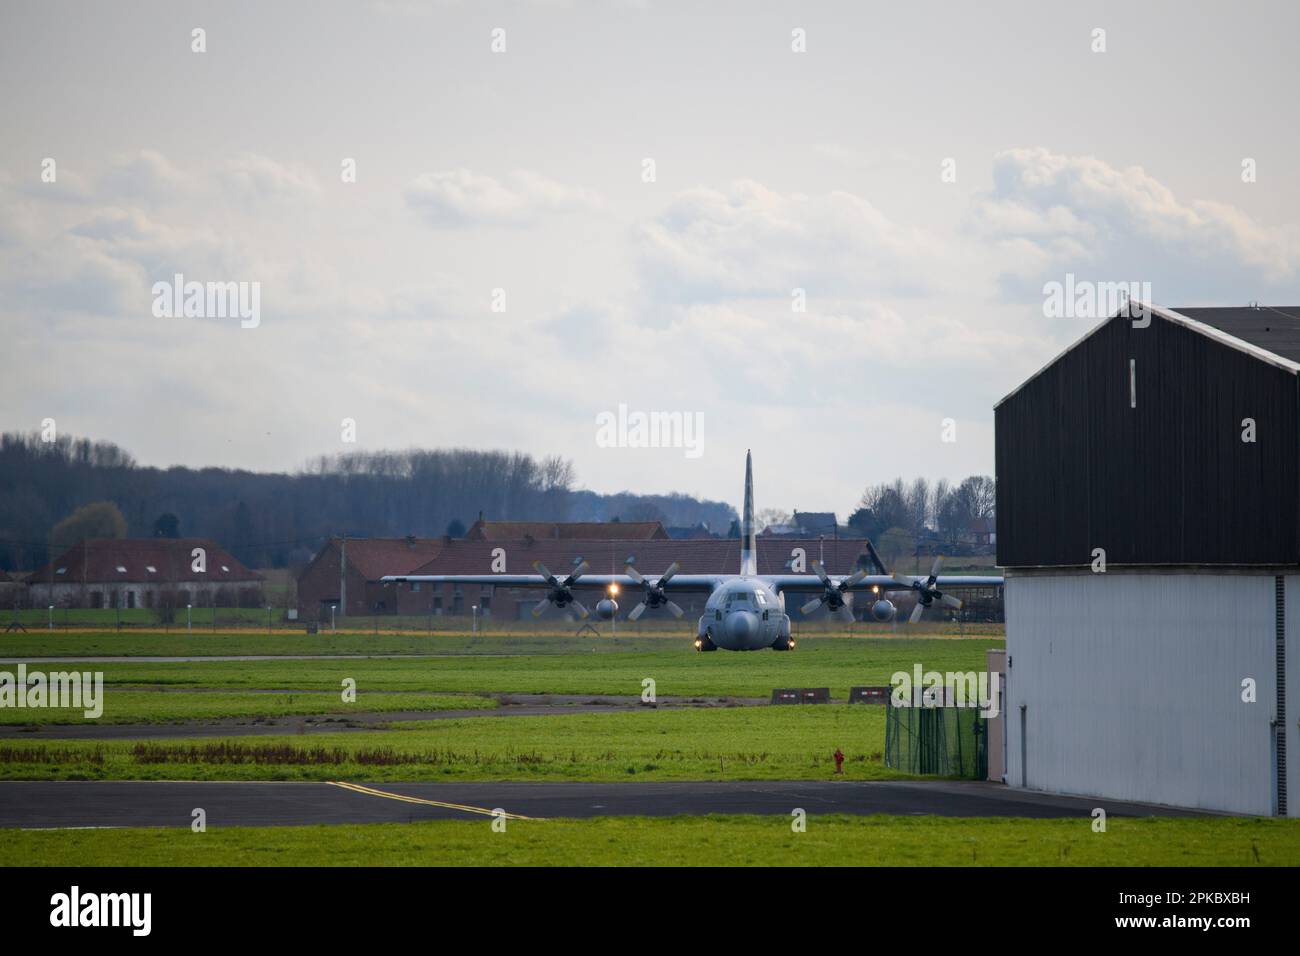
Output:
(53, 493)
(898, 515)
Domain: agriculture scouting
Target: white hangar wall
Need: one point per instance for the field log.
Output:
(1293, 694)
(1131, 686)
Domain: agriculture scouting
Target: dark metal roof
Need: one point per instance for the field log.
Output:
(1274, 328)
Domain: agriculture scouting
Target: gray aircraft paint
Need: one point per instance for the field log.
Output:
(748, 547)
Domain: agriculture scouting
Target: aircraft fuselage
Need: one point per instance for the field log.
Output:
(744, 614)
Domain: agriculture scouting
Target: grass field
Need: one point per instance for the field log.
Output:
(681, 841)
(107, 641)
(562, 665)
(740, 743)
(152, 707)
(448, 670)
(707, 743)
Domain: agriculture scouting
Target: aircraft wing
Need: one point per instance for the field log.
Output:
(811, 584)
(700, 583)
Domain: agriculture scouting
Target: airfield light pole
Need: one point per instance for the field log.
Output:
(268, 619)
(474, 609)
(332, 609)
(51, 617)
(189, 619)
(613, 618)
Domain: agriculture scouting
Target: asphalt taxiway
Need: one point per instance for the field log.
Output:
(42, 804)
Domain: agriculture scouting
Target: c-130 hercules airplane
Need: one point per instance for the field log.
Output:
(745, 611)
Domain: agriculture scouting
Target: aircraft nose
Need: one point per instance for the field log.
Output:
(741, 625)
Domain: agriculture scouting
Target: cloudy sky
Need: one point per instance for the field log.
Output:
(526, 171)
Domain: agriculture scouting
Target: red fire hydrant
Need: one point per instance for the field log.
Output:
(839, 760)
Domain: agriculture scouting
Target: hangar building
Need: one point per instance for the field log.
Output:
(1167, 447)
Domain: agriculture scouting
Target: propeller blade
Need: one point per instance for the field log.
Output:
(668, 575)
(821, 573)
(812, 605)
(916, 613)
(853, 579)
(576, 573)
(934, 571)
(544, 571)
(674, 609)
(582, 611)
(541, 606)
(637, 611)
(634, 574)
(844, 613)
(947, 600)
(905, 582)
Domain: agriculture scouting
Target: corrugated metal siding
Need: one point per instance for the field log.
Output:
(1167, 482)
(1293, 695)
(1132, 684)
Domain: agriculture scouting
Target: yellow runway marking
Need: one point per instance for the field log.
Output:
(371, 791)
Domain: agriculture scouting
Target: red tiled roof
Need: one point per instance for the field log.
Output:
(137, 560)
(563, 530)
(375, 557)
(696, 556)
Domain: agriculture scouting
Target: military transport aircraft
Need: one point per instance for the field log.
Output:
(743, 612)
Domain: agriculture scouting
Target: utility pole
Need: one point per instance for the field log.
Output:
(343, 574)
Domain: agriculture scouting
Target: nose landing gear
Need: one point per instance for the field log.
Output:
(705, 643)
(783, 644)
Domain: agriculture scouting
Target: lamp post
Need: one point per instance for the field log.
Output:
(613, 618)
(474, 609)
(189, 619)
(268, 619)
(51, 617)
(333, 608)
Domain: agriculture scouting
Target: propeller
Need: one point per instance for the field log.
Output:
(654, 592)
(560, 593)
(927, 593)
(835, 595)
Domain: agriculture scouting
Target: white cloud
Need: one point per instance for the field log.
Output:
(1048, 213)
(750, 240)
(146, 174)
(459, 197)
(260, 178)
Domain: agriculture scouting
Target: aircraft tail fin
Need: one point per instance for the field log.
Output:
(748, 551)
(875, 558)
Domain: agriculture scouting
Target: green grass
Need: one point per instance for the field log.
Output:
(138, 617)
(569, 666)
(180, 643)
(152, 707)
(678, 841)
(739, 743)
